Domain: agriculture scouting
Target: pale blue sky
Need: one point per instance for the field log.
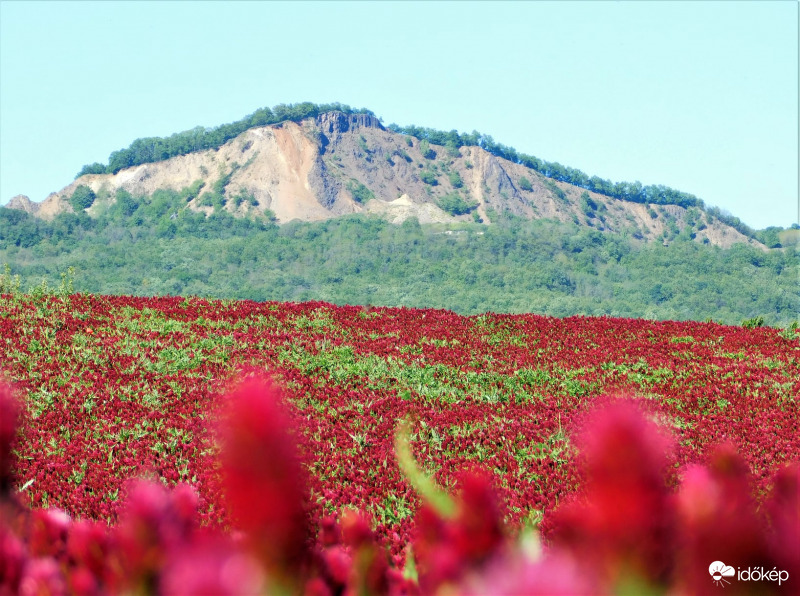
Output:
(700, 96)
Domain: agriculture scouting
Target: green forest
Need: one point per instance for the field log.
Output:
(156, 246)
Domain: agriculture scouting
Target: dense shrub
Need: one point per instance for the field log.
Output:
(428, 177)
(455, 179)
(360, 193)
(454, 204)
(82, 198)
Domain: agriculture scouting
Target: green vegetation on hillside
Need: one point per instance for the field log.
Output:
(155, 245)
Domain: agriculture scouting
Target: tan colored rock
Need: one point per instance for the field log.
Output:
(23, 203)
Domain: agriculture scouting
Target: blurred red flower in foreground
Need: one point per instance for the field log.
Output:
(622, 528)
(447, 546)
(264, 480)
(629, 532)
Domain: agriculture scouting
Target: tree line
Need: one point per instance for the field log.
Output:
(627, 191)
(154, 149)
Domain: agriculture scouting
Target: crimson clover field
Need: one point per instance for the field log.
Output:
(119, 387)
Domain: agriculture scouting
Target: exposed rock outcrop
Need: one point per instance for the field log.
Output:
(333, 123)
(23, 203)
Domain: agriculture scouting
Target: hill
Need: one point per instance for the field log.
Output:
(338, 162)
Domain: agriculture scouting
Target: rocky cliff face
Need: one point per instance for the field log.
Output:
(23, 203)
(339, 164)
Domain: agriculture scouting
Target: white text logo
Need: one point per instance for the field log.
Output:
(719, 571)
